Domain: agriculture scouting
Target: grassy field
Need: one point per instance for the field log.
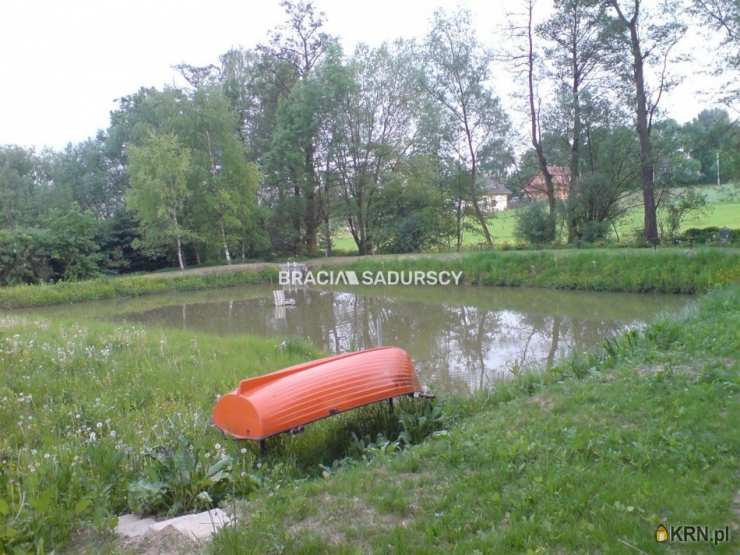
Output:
(101, 419)
(723, 210)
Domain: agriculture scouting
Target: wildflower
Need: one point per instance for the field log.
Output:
(99, 425)
(113, 434)
(217, 447)
(243, 450)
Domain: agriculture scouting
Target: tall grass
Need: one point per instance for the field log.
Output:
(632, 270)
(20, 296)
(101, 419)
(664, 271)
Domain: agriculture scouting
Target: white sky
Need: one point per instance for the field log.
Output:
(64, 62)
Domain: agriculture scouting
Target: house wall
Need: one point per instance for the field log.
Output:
(502, 202)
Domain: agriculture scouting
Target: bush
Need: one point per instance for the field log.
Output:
(711, 236)
(64, 249)
(25, 256)
(533, 224)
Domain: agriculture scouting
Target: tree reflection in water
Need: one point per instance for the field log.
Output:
(461, 339)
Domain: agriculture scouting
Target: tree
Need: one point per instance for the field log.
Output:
(526, 61)
(723, 17)
(713, 139)
(159, 170)
(456, 73)
(295, 50)
(676, 208)
(410, 214)
(221, 181)
(21, 186)
(576, 55)
(374, 129)
(84, 174)
(647, 39)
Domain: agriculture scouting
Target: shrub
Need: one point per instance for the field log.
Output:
(25, 256)
(711, 236)
(533, 224)
(64, 249)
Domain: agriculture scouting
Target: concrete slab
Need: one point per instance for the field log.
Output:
(199, 526)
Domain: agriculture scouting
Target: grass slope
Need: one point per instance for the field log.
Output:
(20, 296)
(633, 270)
(588, 458)
(668, 270)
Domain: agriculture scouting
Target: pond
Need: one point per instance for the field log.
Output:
(461, 339)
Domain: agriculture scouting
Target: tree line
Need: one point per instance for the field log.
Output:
(277, 148)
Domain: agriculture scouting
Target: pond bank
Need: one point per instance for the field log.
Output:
(102, 419)
(669, 270)
(589, 457)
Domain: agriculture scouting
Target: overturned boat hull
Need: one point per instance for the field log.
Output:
(288, 399)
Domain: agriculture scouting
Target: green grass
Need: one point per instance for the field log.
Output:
(590, 457)
(668, 270)
(20, 296)
(81, 402)
(632, 270)
(99, 419)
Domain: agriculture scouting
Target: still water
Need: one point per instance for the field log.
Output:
(461, 339)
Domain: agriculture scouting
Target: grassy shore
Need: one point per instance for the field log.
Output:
(631, 270)
(100, 419)
(21, 296)
(589, 457)
(670, 270)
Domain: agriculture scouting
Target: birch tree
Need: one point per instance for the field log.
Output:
(159, 171)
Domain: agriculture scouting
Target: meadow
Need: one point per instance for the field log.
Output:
(103, 418)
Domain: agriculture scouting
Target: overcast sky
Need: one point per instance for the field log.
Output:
(65, 61)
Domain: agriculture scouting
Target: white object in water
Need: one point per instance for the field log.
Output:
(279, 296)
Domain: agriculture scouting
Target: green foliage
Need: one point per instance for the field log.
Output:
(181, 475)
(711, 236)
(65, 249)
(676, 208)
(25, 256)
(410, 216)
(158, 195)
(125, 286)
(533, 224)
(74, 252)
(634, 270)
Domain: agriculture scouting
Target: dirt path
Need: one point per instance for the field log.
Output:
(312, 263)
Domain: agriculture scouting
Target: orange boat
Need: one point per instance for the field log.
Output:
(288, 399)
